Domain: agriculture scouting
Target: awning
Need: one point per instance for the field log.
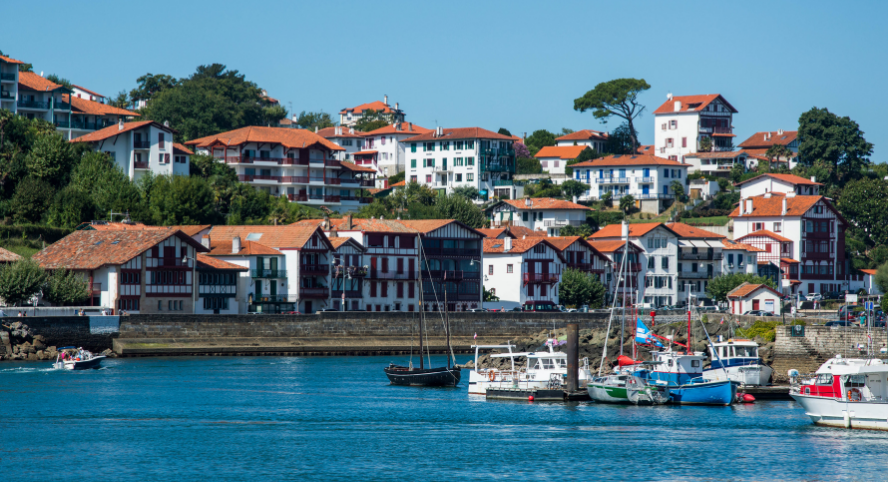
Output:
(700, 244)
(685, 244)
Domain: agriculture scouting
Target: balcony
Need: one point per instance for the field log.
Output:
(562, 222)
(376, 274)
(715, 255)
(540, 278)
(59, 105)
(612, 180)
(630, 267)
(332, 180)
(269, 273)
(171, 262)
(645, 180)
(141, 144)
(33, 104)
(815, 255)
(449, 275)
(698, 274)
(297, 197)
(63, 123)
(348, 180)
(332, 163)
(368, 183)
(315, 197)
(355, 273)
(816, 276)
(97, 287)
(262, 298)
(316, 179)
(317, 161)
(586, 267)
(314, 292)
(818, 235)
(140, 165)
(257, 177)
(7, 77)
(497, 167)
(314, 269)
(366, 200)
(332, 198)
(5, 94)
(653, 195)
(294, 179)
(351, 293)
(722, 130)
(503, 182)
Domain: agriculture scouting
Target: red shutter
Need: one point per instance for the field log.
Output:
(400, 291)
(373, 288)
(166, 158)
(400, 263)
(385, 291)
(410, 290)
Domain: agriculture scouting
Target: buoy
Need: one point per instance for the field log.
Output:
(530, 398)
(746, 398)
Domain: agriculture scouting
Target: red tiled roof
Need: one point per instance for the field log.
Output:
(870, 272)
(563, 152)
(788, 178)
(86, 106)
(38, 83)
(494, 232)
(402, 128)
(521, 231)
(789, 261)
(729, 244)
(760, 139)
(288, 236)
(563, 242)
(645, 149)
(364, 153)
(91, 249)
(330, 132)
(767, 234)
(545, 203)
(351, 166)
(760, 154)
(717, 155)
(773, 206)
(339, 241)
(179, 148)
(460, 133)
(114, 130)
(87, 91)
(287, 137)
(629, 160)
(7, 256)
(497, 246)
(204, 261)
(612, 246)
(747, 289)
(687, 231)
(10, 60)
(635, 230)
(369, 225)
(583, 135)
(248, 248)
(698, 101)
(376, 105)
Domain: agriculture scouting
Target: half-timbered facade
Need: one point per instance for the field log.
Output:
(544, 215)
(217, 286)
(617, 271)
(349, 272)
(578, 254)
(523, 273)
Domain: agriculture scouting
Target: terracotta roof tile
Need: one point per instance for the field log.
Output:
(545, 203)
(760, 154)
(10, 60)
(612, 246)
(279, 237)
(407, 128)
(493, 232)
(629, 160)
(181, 149)
(645, 149)
(767, 139)
(287, 137)
(204, 261)
(773, 206)
(376, 105)
(7, 256)
(699, 102)
(584, 135)
(521, 231)
(351, 166)
(460, 133)
(89, 107)
(90, 249)
(248, 248)
(339, 241)
(870, 272)
(497, 246)
(368, 152)
(111, 131)
(330, 132)
(38, 83)
(747, 289)
(717, 155)
(562, 152)
(635, 230)
(789, 261)
(788, 178)
(687, 231)
(767, 234)
(730, 244)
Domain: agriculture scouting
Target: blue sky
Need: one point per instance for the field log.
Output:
(490, 64)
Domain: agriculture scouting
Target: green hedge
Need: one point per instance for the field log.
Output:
(33, 231)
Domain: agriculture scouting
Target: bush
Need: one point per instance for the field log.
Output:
(798, 322)
(765, 329)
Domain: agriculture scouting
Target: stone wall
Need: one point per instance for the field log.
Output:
(820, 343)
(66, 331)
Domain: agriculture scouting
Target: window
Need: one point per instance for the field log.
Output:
(412, 147)
(470, 161)
(490, 269)
(525, 216)
(428, 178)
(470, 177)
(412, 178)
(673, 124)
(470, 144)
(651, 262)
(777, 227)
(413, 164)
(445, 145)
(684, 142)
(758, 226)
(665, 262)
(459, 178)
(508, 268)
(160, 140)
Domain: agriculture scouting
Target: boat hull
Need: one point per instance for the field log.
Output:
(480, 382)
(608, 394)
(429, 377)
(748, 375)
(93, 362)
(722, 392)
(831, 412)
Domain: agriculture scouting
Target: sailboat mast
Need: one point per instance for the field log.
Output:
(625, 281)
(446, 321)
(419, 245)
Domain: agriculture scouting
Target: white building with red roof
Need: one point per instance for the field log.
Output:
(545, 215)
(682, 122)
(139, 147)
(523, 273)
(554, 159)
(9, 75)
(779, 183)
(754, 297)
(444, 159)
(386, 151)
(39, 98)
(758, 144)
(350, 116)
(645, 177)
(350, 140)
(587, 137)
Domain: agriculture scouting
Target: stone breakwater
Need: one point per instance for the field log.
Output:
(807, 351)
(18, 342)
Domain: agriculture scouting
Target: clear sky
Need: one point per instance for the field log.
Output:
(490, 64)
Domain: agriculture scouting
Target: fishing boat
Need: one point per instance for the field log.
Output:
(845, 392)
(682, 373)
(545, 369)
(626, 388)
(70, 358)
(738, 360)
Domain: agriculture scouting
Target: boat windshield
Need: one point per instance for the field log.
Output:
(550, 363)
(747, 351)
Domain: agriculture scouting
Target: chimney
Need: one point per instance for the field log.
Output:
(507, 245)
(382, 218)
(386, 100)
(409, 126)
(440, 131)
(669, 96)
(749, 206)
(348, 222)
(166, 123)
(325, 223)
(575, 199)
(205, 241)
(783, 211)
(235, 245)
(813, 178)
(677, 105)
(295, 117)
(779, 132)
(351, 130)
(316, 129)
(396, 106)
(625, 230)
(120, 124)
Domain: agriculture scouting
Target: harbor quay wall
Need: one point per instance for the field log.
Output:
(79, 331)
(819, 343)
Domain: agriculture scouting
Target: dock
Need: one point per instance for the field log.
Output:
(770, 392)
(538, 394)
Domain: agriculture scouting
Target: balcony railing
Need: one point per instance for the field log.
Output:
(169, 262)
(332, 163)
(612, 180)
(352, 293)
(368, 183)
(268, 273)
(262, 298)
(59, 105)
(295, 179)
(141, 144)
(315, 196)
(654, 195)
(587, 267)
(355, 273)
(297, 197)
(5, 94)
(818, 235)
(722, 130)
(96, 287)
(10, 77)
(366, 200)
(332, 180)
(700, 256)
(316, 179)
(348, 180)
(314, 292)
(816, 255)
(328, 198)
(540, 278)
(698, 274)
(316, 161)
(452, 274)
(503, 182)
(645, 180)
(314, 269)
(33, 104)
(377, 274)
(63, 123)
(257, 177)
(815, 276)
(140, 165)
(562, 222)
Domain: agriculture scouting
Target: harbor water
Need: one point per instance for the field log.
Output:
(285, 418)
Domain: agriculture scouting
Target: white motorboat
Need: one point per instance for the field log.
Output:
(845, 392)
(737, 360)
(71, 358)
(545, 369)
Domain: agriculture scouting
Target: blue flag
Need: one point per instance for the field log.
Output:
(643, 335)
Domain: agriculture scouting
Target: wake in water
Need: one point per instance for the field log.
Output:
(28, 370)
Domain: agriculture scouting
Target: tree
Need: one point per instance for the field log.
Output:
(778, 152)
(627, 203)
(706, 144)
(881, 278)
(20, 281)
(521, 150)
(539, 139)
(65, 288)
(174, 200)
(108, 187)
(460, 209)
(31, 200)
(678, 190)
(51, 159)
(879, 255)
(396, 178)
(565, 131)
(504, 131)
(310, 120)
(833, 139)
(529, 165)
(121, 101)
(151, 85)
(371, 120)
(719, 287)
(468, 192)
(621, 141)
(490, 295)
(274, 114)
(607, 198)
(862, 203)
(583, 230)
(618, 98)
(59, 80)
(737, 172)
(578, 288)
(572, 188)
(70, 207)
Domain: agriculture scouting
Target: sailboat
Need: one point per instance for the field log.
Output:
(425, 377)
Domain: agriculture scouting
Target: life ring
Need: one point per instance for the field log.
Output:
(856, 392)
(491, 375)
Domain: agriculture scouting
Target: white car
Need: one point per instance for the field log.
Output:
(814, 297)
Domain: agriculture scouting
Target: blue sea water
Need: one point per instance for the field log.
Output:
(285, 418)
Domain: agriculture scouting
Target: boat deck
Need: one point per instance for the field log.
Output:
(539, 395)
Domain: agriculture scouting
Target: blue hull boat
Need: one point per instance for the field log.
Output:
(723, 392)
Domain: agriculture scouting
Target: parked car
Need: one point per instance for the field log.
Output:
(758, 313)
(839, 323)
(708, 308)
(571, 310)
(478, 310)
(814, 297)
(833, 295)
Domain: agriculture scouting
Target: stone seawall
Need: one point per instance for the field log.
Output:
(69, 330)
(819, 343)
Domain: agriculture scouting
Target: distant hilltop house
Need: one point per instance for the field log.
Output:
(587, 137)
(553, 160)
(348, 117)
(645, 177)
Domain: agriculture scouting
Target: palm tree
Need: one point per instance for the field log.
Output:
(627, 203)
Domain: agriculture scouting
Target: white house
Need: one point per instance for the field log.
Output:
(553, 159)
(682, 122)
(544, 214)
(759, 143)
(347, 138)
(444, 159)
(88, 116)
(749, 296)
(9, 78)
(86, 94)
(348, 117)
(39, 98)
(139, 147)
(869, 282)
(348, 273)
(390, 155)
(263, 278)
(523, 273)
(587, 137)
(218, 290)
(739, 258)
(645, 177)
(580, 255)
(779, 183)
(717, 163)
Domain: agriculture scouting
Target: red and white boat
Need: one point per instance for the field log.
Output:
(845, 392)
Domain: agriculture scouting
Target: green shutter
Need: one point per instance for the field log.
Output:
(413, 148)
(413, 161)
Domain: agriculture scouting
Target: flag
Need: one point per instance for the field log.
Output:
(643, 335)
(476, 336)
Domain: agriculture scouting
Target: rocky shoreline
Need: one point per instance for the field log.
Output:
(18, 342)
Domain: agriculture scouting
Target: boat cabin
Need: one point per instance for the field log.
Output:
(734, 352)
(677, 368)
(854, 380)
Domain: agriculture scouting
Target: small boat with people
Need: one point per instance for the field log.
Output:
(738, 360)
(71, 358)
(545, 369)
